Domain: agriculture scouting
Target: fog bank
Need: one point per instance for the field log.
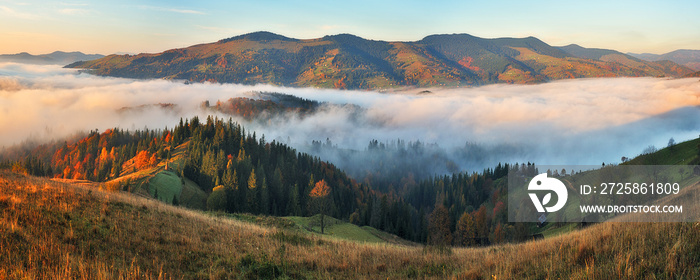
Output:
(585, 121)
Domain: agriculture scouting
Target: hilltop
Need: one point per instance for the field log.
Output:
(349, 62)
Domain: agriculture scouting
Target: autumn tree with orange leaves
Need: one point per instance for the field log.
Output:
(439, 228)
(320, 201)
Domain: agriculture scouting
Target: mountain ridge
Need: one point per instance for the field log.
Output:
(686, 57)
(346, 61)
(56, 57)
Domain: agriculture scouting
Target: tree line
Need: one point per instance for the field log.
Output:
(241, 172)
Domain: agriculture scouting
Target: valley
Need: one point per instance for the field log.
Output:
(352, 140)
(54, 229)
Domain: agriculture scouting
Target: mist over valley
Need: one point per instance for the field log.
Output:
(358, 140)
(424, 131)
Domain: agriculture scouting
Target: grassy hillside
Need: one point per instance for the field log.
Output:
(58, 230)
(679, 154)
(345, 231)
(334, 228)
(161, 181)
(349, 62)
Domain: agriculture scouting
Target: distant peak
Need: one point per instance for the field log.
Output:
(259, 36)
(345, 38)
(456, 35)
(343, 35)
(571, 47)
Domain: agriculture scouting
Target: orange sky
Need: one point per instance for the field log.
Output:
(152, 26)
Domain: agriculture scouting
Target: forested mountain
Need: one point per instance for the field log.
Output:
(235, 171)
(264, 106)
(347, 61)
(687, 58)
(660, 67)
(219, 166)
(693, 75)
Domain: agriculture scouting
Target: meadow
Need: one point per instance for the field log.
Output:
(61, 230)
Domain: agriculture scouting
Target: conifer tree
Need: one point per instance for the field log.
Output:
(294, 208)
(252, 193)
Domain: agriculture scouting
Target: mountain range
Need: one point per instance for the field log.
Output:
(350, 62)
(57, 58)
(688, 58)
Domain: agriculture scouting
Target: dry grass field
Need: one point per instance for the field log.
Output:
(59, 230)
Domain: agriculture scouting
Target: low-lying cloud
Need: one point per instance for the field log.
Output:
(585, 121)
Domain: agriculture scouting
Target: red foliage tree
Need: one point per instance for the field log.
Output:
(320, 201)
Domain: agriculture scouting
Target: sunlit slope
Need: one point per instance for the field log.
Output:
(59, 230)
(629, 62)
(680, 161)
(685, 153)
(161, 181)
(350, 62)
(674, 164)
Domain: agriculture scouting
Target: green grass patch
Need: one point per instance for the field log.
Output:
(192, 196)
(263, 268)
(167, 184)
(680, 154)
(292, 238)
(335, 228)
(552, 230)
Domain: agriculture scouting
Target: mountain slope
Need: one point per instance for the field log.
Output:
(656, 68)
(687, 58)
(58, 57)
(693, 75)
(590, 53)
(58, 230)
(348, 61)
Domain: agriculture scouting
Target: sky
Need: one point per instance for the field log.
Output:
(131, 26)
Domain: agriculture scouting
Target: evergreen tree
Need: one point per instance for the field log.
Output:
(294, 208)
(217, 200)
(264, 198)
(253, 197)
(230, 183)
(275, 191)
